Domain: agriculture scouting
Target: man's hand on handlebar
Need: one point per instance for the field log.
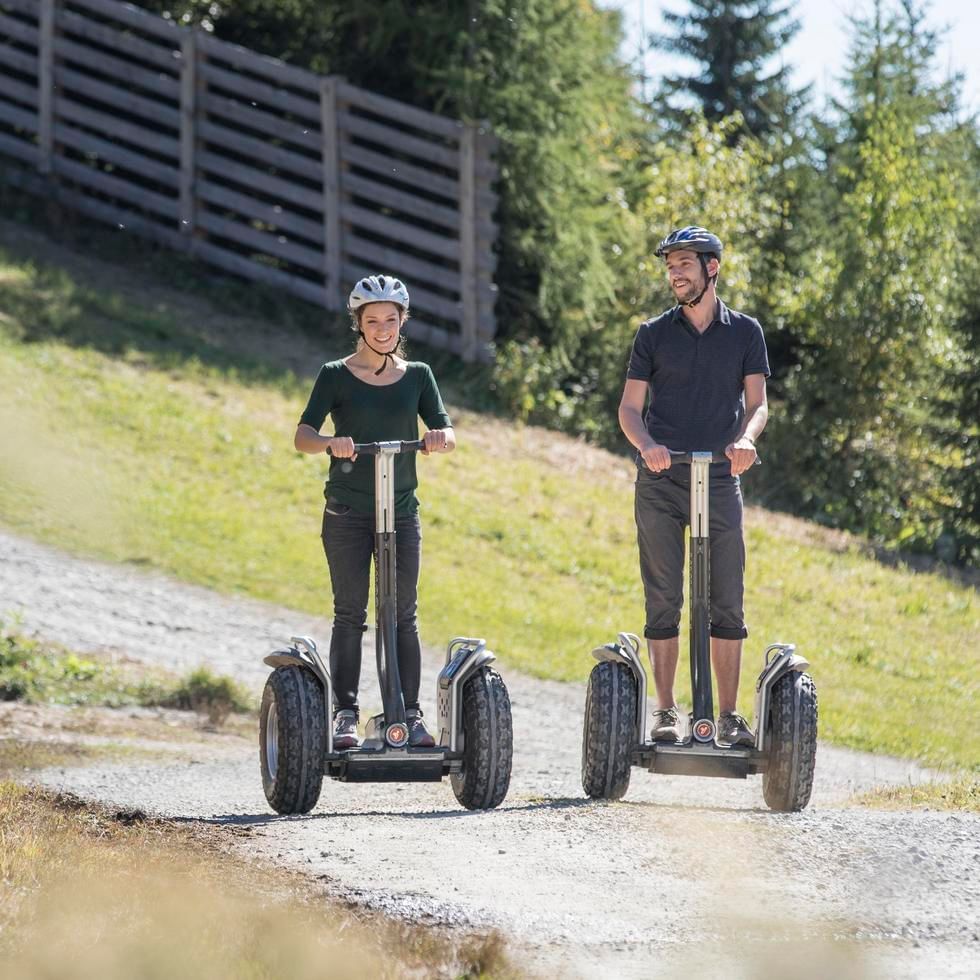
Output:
(656, 457)
(742, 454)
(341, 446)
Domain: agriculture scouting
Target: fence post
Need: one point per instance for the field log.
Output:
(188, 132)
(467, 241)
(330, 150)
(45, 82)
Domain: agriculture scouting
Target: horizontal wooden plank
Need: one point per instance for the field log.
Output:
(265, 242)
(16, 116)
(13, 29)
(407, 115)
(413, 206)
(393, 197)
(243, 114)
(261, 92)
(440, 245)
(131, 221)
(161, 144)
(428, 333)
(20, 149)
(398, 139)
(118, 187)
(242, 266)
(118, 39)
(142, 20)
(19, 92)
(122, 71)
(278, 72)
(385, 167)
(391, 259)
(250, 207)
(18, 60)
(31, 7)
(282, 159)
(253, 178)
(74, 82)
(115, 154)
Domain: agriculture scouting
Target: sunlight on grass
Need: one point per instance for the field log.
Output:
(958, 794)
(153, 450)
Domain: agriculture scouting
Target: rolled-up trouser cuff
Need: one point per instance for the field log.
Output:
(728, 633)
(667, 633)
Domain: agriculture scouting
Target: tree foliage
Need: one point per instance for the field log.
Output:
(735, 43)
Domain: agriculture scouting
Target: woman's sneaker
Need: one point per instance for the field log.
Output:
(665, 725)
(345, 729)
(419, 736)
(733, 729)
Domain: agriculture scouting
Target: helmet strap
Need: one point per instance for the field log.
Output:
(380, 353)
(708, 280)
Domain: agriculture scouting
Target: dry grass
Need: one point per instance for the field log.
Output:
(962, 793)
(94, 892)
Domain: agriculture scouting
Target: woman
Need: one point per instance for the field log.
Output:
(373, 395)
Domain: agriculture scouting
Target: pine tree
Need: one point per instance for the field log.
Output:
(874, 311)
(735, 42)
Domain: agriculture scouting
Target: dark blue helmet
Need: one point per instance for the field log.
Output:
(692, 238)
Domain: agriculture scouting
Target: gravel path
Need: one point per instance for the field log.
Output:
(685, 876)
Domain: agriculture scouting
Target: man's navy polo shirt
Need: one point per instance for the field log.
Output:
(696, 380)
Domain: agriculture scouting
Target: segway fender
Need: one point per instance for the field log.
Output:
(303, 653)
(627, 651)
(780, 659)
(464, 656)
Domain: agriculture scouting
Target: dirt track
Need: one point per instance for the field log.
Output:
(685, 876)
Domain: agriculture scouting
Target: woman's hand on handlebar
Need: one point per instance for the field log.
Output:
(742, 454)
(656, 457)
(434, 441)
(342, 447)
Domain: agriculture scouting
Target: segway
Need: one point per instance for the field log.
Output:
(615, 736)
(475, 740)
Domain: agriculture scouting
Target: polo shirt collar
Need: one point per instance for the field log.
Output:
(722, 314)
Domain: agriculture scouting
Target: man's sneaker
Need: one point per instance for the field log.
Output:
(733, 729)
(419, 736)
(345, 730)
(665, 725)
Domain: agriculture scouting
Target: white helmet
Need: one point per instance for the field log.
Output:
(378, 289)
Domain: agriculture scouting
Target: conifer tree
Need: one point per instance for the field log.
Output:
(736, 43)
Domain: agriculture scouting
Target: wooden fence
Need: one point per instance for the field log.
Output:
(260, 168)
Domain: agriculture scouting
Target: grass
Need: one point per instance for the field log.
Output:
(44, 673)
(92, 892)
(141, 430)
(962, 793)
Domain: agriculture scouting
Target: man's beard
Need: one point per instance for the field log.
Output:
(689, 292)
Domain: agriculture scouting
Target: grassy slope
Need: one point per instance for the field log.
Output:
(148, 426)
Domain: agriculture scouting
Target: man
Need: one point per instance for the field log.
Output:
(705, 368)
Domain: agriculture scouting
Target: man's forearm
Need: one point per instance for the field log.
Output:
(754, 422)
(631, 422)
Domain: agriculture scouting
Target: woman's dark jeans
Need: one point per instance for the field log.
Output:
(348, 541)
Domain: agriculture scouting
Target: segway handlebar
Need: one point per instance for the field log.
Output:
(398, 446)
(676, 457)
